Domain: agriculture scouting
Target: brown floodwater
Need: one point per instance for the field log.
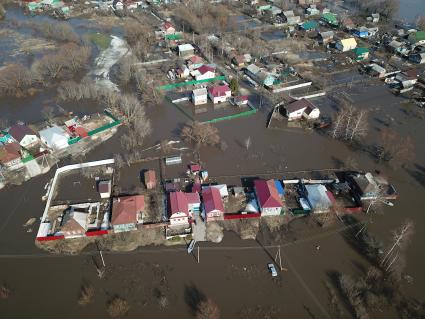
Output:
(234, 272)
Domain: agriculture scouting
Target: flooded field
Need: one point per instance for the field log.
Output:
(232, 273)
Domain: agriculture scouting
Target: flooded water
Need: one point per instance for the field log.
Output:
(234, 272)
(410, 9)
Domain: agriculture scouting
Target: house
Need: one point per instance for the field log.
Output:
(5, 138)
(348, 24)
(54, 137)
(309, 25)
(417, 58)
(182, 72)
(330, 19)
(213, 206)
(291, 18)
(345, 45)
(150, 179)
(195, 168)
(302, 109)
(178, 209)
(312, 10)
(395, 46)
(186, 50)
(240, 100)
(238, 60)
(222, 188)
(326, 37)
(268, 198)
(417, 38)
(319, 198)
(104, 188)
(74, 224)
(168, 28)
(376, 70)
(408, 78)
(127, 212)
(360, 54)
(22, 134)
(361, 32)
(252, 70)
(10, 155)
(375, 17)
(200, 96)
(195, 62)
(193, 203)
(219, 93)
(204, 72)
(365, 186)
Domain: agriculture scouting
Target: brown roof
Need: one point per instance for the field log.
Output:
(125, 209)
(9, 152)
(299, 105)
(19, 131)
(104, 187)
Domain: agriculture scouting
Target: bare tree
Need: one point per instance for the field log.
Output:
(400, 239)
(393, 147)
(16, 79)
(349, 124)
(200, 134)
(247, 143)
(86, 295)
(118, 307)
(207, 309)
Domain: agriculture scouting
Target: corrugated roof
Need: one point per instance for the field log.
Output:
(125, 209)
(177, 203)
(212, 200)
(19, 131)
(299, 105)
(267, 194)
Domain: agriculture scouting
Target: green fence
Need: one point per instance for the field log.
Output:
(180, 84)
(234, 116)
(180, 109)
(102, 128)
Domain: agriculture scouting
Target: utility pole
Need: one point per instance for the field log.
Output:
(280, 260)
(198, 253)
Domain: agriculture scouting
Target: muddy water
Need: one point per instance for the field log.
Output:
(235, 278)
(410, 9)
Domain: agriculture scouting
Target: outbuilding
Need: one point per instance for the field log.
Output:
(54, 137)
(345, 45)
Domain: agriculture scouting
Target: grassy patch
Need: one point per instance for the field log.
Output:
(101, 40)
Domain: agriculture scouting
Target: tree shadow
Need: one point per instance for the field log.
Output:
(193, 297)
(418, 174)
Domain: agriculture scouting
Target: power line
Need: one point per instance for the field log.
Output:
(182, 249)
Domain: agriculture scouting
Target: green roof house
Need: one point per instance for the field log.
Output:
(417, 38)
(309, 25)
(360, 54)
(330, 18)
(32, 6)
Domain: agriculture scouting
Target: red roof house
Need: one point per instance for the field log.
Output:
(194, 203)
(168, 28)
(127, 212)
(219, 93)
(268, 197)
(178, 209)
(23, 135)
(213, 204)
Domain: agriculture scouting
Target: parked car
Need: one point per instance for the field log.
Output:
(272, 269)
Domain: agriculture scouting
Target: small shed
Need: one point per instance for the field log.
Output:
(173, 160)
(104, 188)
(361, 54)
(150, 179)
(279, 187)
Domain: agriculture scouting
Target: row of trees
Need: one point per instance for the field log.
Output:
(387, 8)
(203, 17)
(16, 79)
(351, 125)
(381, 285)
